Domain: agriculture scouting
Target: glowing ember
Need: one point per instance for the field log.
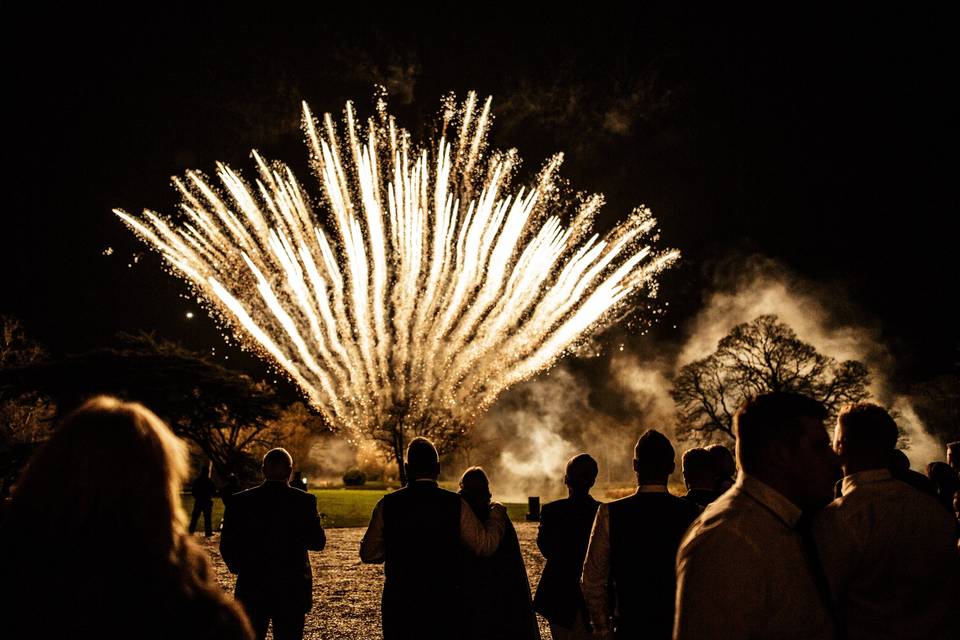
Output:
(434, 287)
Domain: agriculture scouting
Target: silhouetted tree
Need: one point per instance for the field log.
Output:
(24, 414)
(756, 357)
(225, 413)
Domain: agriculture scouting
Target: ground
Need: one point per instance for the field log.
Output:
(346, 593)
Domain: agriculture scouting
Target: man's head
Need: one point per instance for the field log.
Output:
(653, 458)
(277, 465)
(953, 455)
(782, 442)
(899, 463)
(422, 461)
(724, 465)
(865, 437)
(698, 469)
(580, 474)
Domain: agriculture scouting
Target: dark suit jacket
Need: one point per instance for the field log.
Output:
(267, 531)
(563, 536)
(645, 533)
(422, 564)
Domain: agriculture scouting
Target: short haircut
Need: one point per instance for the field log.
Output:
(581, 472)
(723, 461)
(771, 418)
(868, 426)
(654, 455)
(698, 467)
(899, 462)
(422, 459)
(278, 458)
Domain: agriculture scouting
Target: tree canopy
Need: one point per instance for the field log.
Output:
(225, 413)
(761, 356)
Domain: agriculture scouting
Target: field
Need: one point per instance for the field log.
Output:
(346, 593)
(343, 507)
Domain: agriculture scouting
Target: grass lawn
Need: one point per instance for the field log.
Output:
(343, 507)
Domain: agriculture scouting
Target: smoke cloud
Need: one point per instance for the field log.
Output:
(530, 433)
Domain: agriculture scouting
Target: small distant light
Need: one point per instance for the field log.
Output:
(108, 251)
(189, 315)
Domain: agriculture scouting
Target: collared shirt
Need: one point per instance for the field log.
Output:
(742, 573)
(596, 566)
(889, 553)
(481, 538)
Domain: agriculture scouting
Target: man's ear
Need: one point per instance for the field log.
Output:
(636, 466)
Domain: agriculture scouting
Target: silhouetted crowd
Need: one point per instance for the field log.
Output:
(795, 537)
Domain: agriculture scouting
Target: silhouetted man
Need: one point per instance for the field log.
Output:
(700, 476)
(724, 466)
(419, 532)
(745, 569)
(203, 491)
(953, 456)
(632, 547)
(267, 531)
(887, 550)
(899, 465)
(563, 537)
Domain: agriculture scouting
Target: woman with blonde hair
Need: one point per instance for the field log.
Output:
(95, 541)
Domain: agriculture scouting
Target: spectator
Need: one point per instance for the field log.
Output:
(496, 592)
(562, 538)
(724, 465)
(945, 483)
(888, 551)
(744, 569)
(267, 531)
(700, 476)
(632, 547)
(417, 532)
(96, 545)
(203, 491)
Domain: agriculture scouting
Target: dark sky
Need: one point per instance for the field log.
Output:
(819, 140)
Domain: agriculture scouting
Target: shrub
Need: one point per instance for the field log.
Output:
(354, 478)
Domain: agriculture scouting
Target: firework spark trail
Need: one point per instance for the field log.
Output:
(433, 289)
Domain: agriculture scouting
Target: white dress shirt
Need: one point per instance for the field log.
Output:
(889, 553)
(742, 573)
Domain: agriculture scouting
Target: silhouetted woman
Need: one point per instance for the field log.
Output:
(496, 590)
(95, 541)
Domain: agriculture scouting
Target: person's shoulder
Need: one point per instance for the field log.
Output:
(720, 524)
(556, 507)
(246, 496)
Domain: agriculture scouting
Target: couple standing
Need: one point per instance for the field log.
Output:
(452, 564)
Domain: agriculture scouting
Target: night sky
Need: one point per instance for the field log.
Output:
(820, 141)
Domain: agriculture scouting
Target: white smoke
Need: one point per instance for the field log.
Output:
(819, 316)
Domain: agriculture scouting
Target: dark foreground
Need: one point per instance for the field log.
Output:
(346, 593)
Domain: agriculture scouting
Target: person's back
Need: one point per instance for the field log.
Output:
(632, 548)
(888, 550)
(422, 557)
(267, 531)
(562, 537)
(419, 532)
(496, 591)
(645, 532)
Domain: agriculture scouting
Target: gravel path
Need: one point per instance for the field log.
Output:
(346, 593)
